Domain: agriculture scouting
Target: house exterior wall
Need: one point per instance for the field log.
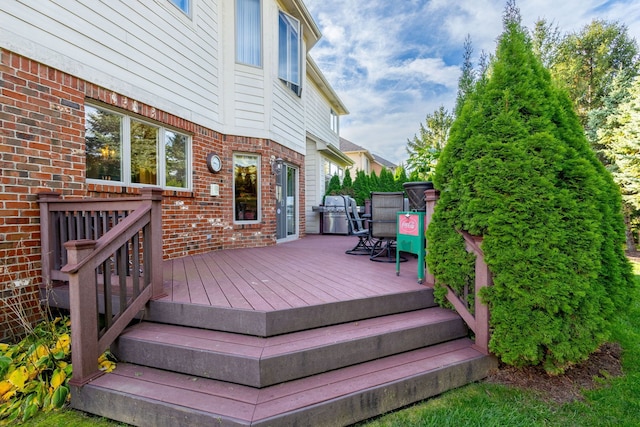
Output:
(148, 51)
(43, 150)
(361, 161)
(150, 61)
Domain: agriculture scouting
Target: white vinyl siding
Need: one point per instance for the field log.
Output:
(249, 99)
(288, 118)
(318, 115)
(313, 191)
(148, 51)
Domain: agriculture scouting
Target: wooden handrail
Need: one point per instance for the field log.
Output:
(478, 321)
(126, 248)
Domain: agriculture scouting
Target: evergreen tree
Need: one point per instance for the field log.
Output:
(467, 77)
(347, 182)
(387, 182)
(619, 137)
(518, 171)
(425, 148)
(588, 61)
(334, 186)
(400, 177)
(546, 40)
(361, 187)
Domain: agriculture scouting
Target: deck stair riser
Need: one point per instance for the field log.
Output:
(261, 362)
(145, 396)
(278, 322)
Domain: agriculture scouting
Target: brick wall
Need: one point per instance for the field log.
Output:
(42, 149)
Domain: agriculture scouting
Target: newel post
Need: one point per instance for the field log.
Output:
(46, 234)
(431, 197)
(154, 196)
(483, 279)
(84, 312)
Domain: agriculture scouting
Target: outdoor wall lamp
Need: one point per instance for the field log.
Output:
(276, 165)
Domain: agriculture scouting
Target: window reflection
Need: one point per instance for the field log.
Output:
(246, 187)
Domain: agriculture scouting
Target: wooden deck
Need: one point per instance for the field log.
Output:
(294, 334)
(309, 271)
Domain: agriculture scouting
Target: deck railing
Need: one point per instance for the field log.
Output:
(477, 319)
(110, 252)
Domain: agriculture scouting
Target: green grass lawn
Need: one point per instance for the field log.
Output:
(615, 403)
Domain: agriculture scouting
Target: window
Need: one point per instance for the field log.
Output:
(125, 150)
(183, 5)
(289, 46)
(248, 32)
(335, 121)
(246, 187)
(331, 169)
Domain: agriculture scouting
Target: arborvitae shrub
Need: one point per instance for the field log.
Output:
(518, 170)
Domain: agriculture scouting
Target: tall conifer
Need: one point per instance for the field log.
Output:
(518, 171)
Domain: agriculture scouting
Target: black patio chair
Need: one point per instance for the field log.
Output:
(382, 226)
(357, 228)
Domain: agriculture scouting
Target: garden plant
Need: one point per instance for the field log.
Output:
(518, 171)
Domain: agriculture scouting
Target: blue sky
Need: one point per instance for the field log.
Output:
(392, 62)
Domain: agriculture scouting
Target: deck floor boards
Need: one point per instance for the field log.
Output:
(309, 271)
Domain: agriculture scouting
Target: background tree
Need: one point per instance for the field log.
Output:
(467, 77)
(334, 186)
(424, 149)
(519, 171)
(588, 61)
(619, 138)
(361, 187)
(545, 39)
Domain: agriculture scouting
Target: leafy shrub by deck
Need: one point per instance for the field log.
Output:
(518, 170)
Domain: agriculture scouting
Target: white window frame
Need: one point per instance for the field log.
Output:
(125, 155)
(285, 62)
(258, 215)
(240, 40)
(335, 122)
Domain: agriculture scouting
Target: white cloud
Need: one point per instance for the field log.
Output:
(394, 62)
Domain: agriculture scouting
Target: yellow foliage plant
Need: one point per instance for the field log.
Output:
(35, 372)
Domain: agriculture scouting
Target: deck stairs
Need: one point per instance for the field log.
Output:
(324, 365)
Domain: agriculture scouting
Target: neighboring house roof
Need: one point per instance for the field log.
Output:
(384, 162)
(347, 146)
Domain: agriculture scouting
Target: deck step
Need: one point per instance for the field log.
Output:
(260, 362)
(278, 322)
(146, 396)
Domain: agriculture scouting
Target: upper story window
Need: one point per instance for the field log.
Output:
(124, 150)
(335, 121)
(248, 32)
(183, 5)
(289, 47)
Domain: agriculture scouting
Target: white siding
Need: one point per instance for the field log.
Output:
(152, 52)
(288, 117)
(149, 51)
(313, 194)
(318, 115)
(249, 98)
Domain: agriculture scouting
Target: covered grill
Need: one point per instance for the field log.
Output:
(334, 218)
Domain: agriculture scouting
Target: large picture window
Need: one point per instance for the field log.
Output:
(248, 32)
(124, 150)
(289, 46)
(246, 187)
